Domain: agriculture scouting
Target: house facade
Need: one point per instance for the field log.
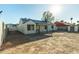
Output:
(63, 26)
(29, 26)
(73, 28)
(12, 27)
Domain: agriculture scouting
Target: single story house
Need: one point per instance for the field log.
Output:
(12, 27)
(73, 28)
(61, 26)
(64, 26)
(29, 26)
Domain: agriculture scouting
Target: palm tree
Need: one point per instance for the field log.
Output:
(1, 11)
(71, 20)
(78, 22)
(62, 20)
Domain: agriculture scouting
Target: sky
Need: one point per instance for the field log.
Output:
(13, 12)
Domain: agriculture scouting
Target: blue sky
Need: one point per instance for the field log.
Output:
(13, 12)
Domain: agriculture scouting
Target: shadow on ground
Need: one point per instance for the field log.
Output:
(14, 39)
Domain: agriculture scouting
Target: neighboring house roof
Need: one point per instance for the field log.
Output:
(61, 24)
(35, 21)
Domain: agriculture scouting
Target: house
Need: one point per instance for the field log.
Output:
(73, 28)
(12, 27)
(29, 26)
(64, 26)
(61, 26)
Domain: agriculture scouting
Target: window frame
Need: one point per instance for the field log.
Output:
(30, 27)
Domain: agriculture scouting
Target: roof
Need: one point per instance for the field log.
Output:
(39, 22)
(24, 20)
(61, 24)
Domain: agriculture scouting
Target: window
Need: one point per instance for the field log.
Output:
(52, 27)
(13, 25)
(45, 27)
(30, 27)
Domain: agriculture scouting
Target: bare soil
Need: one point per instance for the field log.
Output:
(44, 43)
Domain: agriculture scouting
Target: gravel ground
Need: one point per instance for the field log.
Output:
(51, 43)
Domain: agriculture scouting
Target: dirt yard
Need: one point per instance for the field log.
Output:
(51, 43)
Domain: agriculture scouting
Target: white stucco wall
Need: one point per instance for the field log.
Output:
(23, 27)
(20, 27)
(55, 28)
(50, 28)
(2, 32)
(12, 28)
(76, 28)
(68, 28)
(42, 28)
(31, 31)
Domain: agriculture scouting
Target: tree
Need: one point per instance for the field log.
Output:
(78, 22)
(1, 11)
(71, 20)
(62, 21)
(47, 16)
